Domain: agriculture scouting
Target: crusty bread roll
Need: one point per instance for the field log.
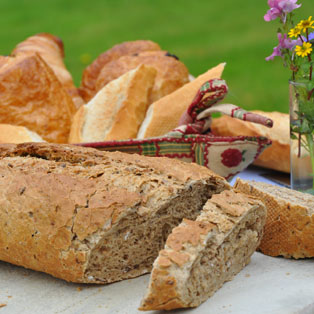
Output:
(164, 114)
(51, 49)
(171, 73)
(91, 73)
(277, 156)
(33, 97)
(289, 229)
(117, 110)
(85, 215)
(199, 256)
(17, 134)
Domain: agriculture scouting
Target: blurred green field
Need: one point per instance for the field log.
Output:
(202, 33)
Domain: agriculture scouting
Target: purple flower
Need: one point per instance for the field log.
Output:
(284, 43)
(279, 7)
(311, 36)
(288, 5)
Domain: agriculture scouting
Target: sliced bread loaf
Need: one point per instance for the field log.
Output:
(199, 256)
(90, 216)
(289, 229)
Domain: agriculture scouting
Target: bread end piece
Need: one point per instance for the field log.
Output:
(289, 229)
(117, 110)
(199, 256)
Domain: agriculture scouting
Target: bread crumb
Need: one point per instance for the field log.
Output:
(247, 275)
(9, 296)
(287, 274)
(79, 289)
(3, 305)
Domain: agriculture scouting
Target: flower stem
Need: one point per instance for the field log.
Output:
(309, 138)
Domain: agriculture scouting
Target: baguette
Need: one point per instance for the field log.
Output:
(117, 110)
(277, 156)
(199, 256)
(89, 216)
(289, 229)
(164, 114)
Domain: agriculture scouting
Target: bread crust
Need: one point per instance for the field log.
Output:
(164, 114)
(277, 156)
(171, 73)
(117, 111)
(91, 73)
(289, 229)
(33, 97)
(51, 49)
(54, 199)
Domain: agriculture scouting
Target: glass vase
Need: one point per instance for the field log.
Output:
(301, 137)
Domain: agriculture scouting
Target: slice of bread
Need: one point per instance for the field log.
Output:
(199, 256)
(289, 229)
(17, 134)
(85, 215)
(117, 110)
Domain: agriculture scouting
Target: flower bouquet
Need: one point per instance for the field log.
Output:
(296, 50)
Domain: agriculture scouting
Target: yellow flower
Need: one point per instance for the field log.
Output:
(294, 32)
(305, 24)
(304, 50)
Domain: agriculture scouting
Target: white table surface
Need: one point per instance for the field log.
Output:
(266, 285)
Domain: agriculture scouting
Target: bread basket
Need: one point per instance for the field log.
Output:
(193, 141)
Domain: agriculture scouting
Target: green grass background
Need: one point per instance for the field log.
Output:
(202, 33)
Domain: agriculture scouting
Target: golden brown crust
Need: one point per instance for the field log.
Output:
(51, 50)
(277, 156)
(90, 74)
(31, 96)
(289, 228)
(171, 73)
(164, 114)
(77, 125)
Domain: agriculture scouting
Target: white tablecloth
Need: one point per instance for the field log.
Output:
(266, 285)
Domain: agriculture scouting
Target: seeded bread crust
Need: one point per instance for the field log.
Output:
(84, 215)
(199, 256)
(289, 229)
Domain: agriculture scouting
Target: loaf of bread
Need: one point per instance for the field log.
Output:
(199, 256)
(89, 216)
(277, 156)
(91, 73)
(164, 114)
(116, 111)
(51, 49)
(171, 73)
(289, 229)
(32, 96)
(17, 134)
